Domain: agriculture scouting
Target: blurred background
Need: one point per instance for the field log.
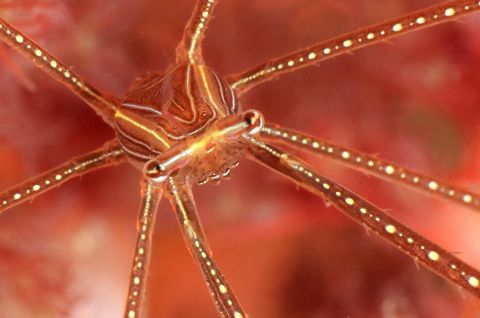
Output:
(413, 100)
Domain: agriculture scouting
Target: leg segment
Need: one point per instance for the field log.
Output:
(182, 202)
(108, 155)
(189, 48)
(104, 106)
(349, 42)
(417, 247)
(372, 165)
(151, 195)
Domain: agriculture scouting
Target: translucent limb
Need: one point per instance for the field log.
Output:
(190, 47)
(151, 194)
(107, 155)
(372, 165)
(181, 199)
(104, 106)
(417, 247)
(349, 42)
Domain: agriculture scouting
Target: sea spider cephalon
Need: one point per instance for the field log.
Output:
(308, 103)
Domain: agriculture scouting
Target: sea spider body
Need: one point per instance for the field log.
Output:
(275, 104)
(162, 110)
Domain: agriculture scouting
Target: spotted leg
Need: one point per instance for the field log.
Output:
(372, 165)
(190, 46)
(151, 194)
(108, 155)
(180, 197)
(349, 42)
(104, 106)
(419, 248)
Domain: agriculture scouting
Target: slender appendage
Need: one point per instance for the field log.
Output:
(419, 248)
(108, 155)
(190, 46)
(182, 202)
(104, 106)
(151, 195)
(372, 165)
(351, 41)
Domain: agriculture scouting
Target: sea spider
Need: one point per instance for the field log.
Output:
(286, 122)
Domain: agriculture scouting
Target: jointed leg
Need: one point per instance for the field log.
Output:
(351, 41)
(151, 195)
(429, 254)
(181, 200)
(162, 171)
(189, 48)
(372, 165)
(108, 155)
(103, 105)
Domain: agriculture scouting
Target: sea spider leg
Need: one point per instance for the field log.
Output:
(417, 247)
(190, 46)
(104, 106)
(151, 194)
(107, 155)
(349, 42)
(167, 169)
(372, 165)
(180, 197)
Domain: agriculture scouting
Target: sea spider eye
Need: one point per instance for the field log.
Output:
(155, 171)
(254, 121)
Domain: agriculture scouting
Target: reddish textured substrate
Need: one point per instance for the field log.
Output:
(414, 101)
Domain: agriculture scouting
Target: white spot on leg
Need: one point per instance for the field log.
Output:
(473, 281)
(467, 198)
(433, 185)
(222, 289)
(433, 256)
(449, 12)
(347, 43)
(389, 170)
(421, 20)
(397, 27)
(390, 228)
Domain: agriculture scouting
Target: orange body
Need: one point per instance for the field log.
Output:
(160, 111)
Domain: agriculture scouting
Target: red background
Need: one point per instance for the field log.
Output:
(414, 100)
